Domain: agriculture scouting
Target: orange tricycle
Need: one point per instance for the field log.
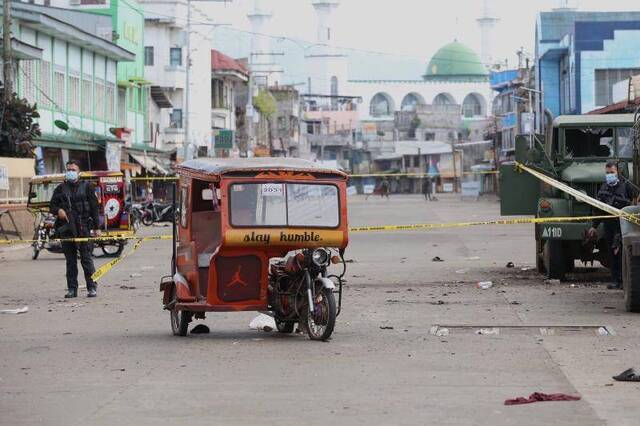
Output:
(259, 234)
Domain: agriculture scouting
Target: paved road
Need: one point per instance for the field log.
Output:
(113, 360)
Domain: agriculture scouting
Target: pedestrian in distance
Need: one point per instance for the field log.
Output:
(616, 193)
(384, 188)
(427, 187)
(75, 205)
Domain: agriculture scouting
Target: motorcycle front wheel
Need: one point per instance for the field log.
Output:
(321, 322)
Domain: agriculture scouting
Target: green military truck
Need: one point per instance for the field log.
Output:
(574, 151)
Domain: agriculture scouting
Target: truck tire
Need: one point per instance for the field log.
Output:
(539, 261)
(631, 277)
(554, 261)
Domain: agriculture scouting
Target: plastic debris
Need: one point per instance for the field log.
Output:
(263, 322)
(462, 271)
(437, 259)
(488, 331)
(200, 329)
(526, 268)
(16, 311)
(472, 258)
(484, 285)
(510, 265)
(439, 331)
(135, 275)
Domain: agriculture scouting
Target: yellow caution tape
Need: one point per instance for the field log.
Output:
(152, 178)
(99, 273)
(580, 196)
(488, 172)
(90, 239)
(478, 223)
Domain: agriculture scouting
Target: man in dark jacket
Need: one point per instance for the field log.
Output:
(617, 193)
(75, 205)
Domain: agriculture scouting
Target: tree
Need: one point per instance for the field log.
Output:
(17, 127)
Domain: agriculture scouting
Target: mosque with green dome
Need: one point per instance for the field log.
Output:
(454, 76)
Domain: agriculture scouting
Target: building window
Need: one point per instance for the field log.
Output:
(100, 99)
(175, 119)
(87, 96)
(175, 56)
(148, 55)
(381, 105)
(58, 90)
(605, 79)
(29, 80)
(429, 136)
(122, 107)
(132, 98)
(471, 106)
(74, 94)
(110, 102)
(219, 94)
(45, 83)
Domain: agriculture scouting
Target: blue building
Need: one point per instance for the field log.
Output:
(581, 55)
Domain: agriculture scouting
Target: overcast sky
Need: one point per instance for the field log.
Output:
(410, 30)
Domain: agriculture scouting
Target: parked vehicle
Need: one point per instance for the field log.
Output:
(574, 151)
(259, 235)
(156, 212)
(114, 219)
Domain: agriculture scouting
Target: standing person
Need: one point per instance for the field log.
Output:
(427, 187)
(384, 188)
(618, 194)
(75, 204)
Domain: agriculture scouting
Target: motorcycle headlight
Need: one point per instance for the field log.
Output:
(320, 257)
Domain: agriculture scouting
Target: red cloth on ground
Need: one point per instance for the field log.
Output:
(539, 396)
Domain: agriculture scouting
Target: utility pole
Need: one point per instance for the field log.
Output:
(187, 110)
(7, 56)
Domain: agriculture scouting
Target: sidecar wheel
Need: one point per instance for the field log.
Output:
(179, 319)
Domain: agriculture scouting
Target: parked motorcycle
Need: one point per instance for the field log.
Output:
(43, 233)
(156, 212)
(299, 282)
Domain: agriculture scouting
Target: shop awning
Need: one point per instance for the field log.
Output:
(67, 142)
(149, 163)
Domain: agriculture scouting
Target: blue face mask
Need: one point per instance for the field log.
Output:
(71, 176)
(612, 179)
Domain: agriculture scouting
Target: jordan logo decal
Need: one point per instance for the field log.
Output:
(237, 280)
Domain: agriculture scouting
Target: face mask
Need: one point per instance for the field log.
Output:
(71, 176)
(612, 179)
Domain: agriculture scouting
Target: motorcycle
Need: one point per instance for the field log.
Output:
(301, 291)
(155, 212)
(45, 229)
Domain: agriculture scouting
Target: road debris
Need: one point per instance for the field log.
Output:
(263, 322)
(484, 285)
(472, 258)
(628, 375)
(386, 327)
(135, 275)
(439, 331)
(200, 329)
(437, 259)
(16, 311)
(488, 331)
(462, 271)
(540, 397)
(510, 265)
(126, 287)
